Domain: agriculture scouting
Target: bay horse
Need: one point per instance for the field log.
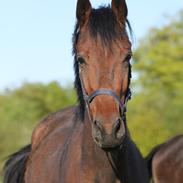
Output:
(88, 143)
(165, 161)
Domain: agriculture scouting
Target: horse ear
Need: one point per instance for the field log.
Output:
(119, 7)
(83, 11)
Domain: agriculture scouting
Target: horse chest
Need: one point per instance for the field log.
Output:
(86, 163)
(76, 160)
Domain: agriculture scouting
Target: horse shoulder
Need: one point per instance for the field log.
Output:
(49, 123)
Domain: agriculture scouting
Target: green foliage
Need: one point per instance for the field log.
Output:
(158, 102)
(21, 109)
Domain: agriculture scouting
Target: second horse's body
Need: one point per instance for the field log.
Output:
(166, 161)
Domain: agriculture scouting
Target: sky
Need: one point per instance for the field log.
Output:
(35, 36)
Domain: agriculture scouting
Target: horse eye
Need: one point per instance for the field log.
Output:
(128, 57)
(81, 60)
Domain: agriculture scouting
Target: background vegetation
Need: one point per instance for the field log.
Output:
(22, 108)
(154, 113)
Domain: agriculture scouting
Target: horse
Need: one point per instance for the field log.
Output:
(165, 161)
(90, 142)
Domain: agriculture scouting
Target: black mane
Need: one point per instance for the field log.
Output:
(103, 23)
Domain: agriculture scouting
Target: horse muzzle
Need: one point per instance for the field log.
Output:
(104, 139)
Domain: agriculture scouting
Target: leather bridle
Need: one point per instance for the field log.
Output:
(105, 91)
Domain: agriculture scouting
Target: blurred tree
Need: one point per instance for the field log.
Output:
(158, 104)
(23, 107)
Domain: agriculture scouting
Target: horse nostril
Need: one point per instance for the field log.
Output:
(119, 128)
(97, 131)
(97, 125)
